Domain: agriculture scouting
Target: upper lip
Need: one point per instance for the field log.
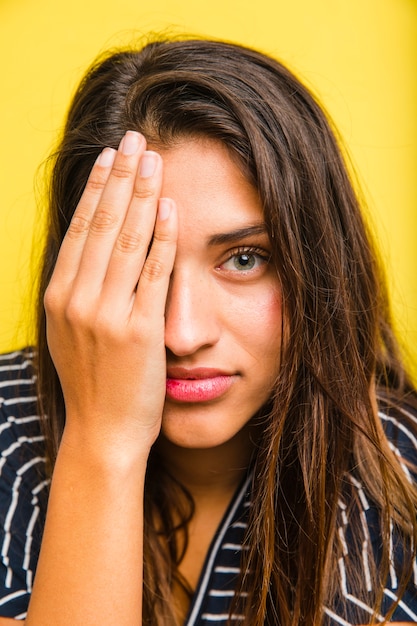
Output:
(196, 373)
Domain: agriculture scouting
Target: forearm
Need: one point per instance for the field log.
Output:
(90, 566)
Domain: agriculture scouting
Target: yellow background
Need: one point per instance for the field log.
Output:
(360, 56)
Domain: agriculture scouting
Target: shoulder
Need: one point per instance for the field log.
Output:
(17, 380)
(23, 481)
(19, 421)
(399, 422)
(363, 538)
(21, 439)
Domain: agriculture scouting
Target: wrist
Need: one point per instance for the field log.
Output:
(105, 452)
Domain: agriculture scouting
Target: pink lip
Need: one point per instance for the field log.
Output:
(200, 384)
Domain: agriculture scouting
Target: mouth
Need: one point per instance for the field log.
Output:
(197, 385)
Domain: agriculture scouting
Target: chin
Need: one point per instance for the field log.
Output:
(204, 428)
(188, 438)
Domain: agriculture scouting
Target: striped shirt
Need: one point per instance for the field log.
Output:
(23, 483)
(23, 499)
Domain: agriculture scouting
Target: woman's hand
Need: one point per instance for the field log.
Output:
(106, 300)
(105, 310)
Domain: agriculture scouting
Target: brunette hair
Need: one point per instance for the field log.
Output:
(321, 424)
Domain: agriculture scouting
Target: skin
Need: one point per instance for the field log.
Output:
(124, 317)
(220, 312)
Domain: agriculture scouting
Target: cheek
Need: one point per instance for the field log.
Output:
(258, 319)
(269, 329)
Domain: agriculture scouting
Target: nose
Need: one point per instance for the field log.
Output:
(191, 316)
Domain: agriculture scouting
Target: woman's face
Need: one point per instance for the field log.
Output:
(223, 313)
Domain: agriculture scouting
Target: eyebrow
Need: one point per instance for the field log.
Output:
(238, 233)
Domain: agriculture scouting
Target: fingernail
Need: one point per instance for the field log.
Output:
(106, 157)
(164, 208)
(130, 143)
(148, 163)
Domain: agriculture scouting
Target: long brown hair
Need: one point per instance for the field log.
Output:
(321, 424)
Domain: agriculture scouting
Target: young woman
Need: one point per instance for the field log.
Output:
(228, 428)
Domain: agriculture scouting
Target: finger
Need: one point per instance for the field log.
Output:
(132, 243)
(110, 214)
(152, 289)
(70, 253)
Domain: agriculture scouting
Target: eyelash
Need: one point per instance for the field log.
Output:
(260, 253)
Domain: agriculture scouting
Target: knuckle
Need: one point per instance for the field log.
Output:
(129, 241)
(143, 193)
(103, 221)
(153, 269)
(120, 171)
(51, 300)
(96, 182)
(79, 225)
(161, 236)
(75, 312)
(105, 326)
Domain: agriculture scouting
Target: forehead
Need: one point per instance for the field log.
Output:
(210, 190)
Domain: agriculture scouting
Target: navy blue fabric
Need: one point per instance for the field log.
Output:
(23, 483)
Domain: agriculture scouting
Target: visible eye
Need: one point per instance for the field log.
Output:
(245, 260)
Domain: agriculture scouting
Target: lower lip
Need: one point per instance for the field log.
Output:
(198, 390)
